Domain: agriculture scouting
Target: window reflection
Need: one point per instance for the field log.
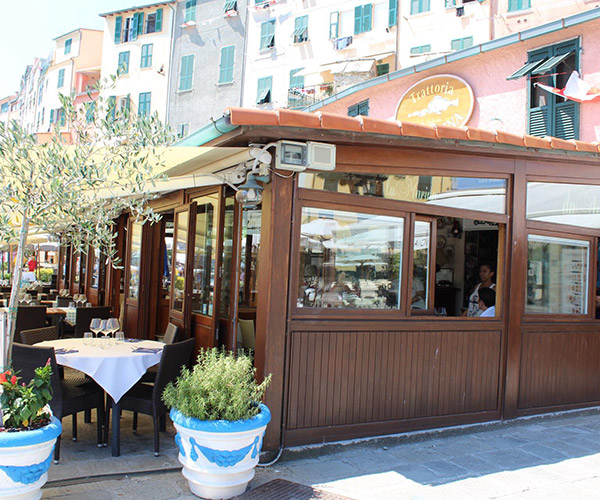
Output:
(179, 271)
(95, 269)
(135, 260)
(167, 253)
(204, 255)
(420, 278)
(250, 245)
(557, 274)
(350, 260)
(227, 256)
(77, 268)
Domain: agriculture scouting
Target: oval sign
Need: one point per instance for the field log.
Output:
(437, 100)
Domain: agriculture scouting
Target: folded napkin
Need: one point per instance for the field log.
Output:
(62, 350)
(133, 340)
(147, 349)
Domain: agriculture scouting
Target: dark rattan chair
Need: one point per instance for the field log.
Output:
(30, 317)
(83, 318)
(67, 399)
(63, 301)
(35, 335)
(146, 398)
(171, 336)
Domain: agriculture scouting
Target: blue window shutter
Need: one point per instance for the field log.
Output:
(334, 23)
(140, 30)
(367, 17)
(68, 45)
(393, 13)
(425, 6)
(51, 116)
(226, 64)
(186, 72)
(358, 19)
(158, 23)
(134, 27)
(118, 25)
(415, 6)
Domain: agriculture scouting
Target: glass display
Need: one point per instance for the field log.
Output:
(250, 245)
(167, 258)
(205, 243)
(227, 258)
(557, 275)
(180, 254)
(135, 260)
(472, 193)
(421, 258)
(350, 260)
(572, 204)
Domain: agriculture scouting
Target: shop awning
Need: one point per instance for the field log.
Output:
(540, 66)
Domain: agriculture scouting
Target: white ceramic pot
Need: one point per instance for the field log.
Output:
(25, 458)
(219, 456)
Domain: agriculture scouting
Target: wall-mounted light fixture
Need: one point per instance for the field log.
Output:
(249, 194)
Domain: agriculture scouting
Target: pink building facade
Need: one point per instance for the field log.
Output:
(512, 105)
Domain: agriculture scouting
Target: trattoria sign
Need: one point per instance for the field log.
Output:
(437, 100)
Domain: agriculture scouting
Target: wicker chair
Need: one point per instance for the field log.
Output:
(83, 317)
(171, 336)
(146, 398)
(35, 335)
(67, 399)
(29, 317)
(63, 301)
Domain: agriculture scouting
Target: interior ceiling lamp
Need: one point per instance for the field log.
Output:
(249, 194)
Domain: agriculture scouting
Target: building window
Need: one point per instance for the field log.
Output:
(300, 33)
(382, 69)
(451, 3)
(267, 35)
(226, 64)
(118, 27)
(515, 5)
(264, 88)
(393, 13)
(68, 46)
(90, 110)
(418, 6)
(127, 30)
(462, 43)
(183, 130)
(4, 108)
(123, 66)
(186, 72)
(190, 11)
(229, 5)
(421, 49)
(296, 81)
(146, 60)
(123, 104)
(362, 108)
(363, 18)
(154, 22)
(61, 78)
(334, 25)
(144, 104)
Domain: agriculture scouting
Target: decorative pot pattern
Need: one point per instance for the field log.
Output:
(25, 458)
(219, 457)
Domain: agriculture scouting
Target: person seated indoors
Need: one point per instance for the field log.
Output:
(487, 303)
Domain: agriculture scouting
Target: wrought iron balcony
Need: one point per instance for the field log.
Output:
(307, 95)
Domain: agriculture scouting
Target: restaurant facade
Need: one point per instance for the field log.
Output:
(356, 268)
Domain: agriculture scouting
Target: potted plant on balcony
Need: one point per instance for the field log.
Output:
(28, 434)
(220, 422)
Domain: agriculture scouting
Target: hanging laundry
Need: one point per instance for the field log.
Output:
(575, 90)
(342, 43)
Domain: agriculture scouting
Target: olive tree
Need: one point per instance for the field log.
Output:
(77, 183)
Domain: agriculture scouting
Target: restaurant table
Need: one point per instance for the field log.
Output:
(116, 368)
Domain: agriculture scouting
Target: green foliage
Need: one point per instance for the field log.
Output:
(45, 274)
(24, 406)
(222, 386)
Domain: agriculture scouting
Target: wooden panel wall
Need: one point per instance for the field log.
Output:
(342, 378)
(560, 365)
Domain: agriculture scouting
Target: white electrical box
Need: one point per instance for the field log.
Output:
(321, 156)
(290, 155)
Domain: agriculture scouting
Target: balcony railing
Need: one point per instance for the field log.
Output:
(307, 95)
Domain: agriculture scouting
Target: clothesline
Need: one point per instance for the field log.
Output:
(551, 74)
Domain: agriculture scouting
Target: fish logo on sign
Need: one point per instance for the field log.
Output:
(437, 100)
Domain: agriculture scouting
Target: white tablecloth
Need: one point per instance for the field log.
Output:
(116, 368)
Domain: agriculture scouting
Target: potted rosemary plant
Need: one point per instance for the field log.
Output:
(27, 435)
(220, 422)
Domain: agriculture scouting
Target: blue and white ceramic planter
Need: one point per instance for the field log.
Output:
(25, 458)
(219, 456)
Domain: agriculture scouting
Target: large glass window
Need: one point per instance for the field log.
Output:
(421, 258)
(471, 193)
(350, 260)
(135, 260)
(573, 204)
(77, 268)
(250, 246)
(95, 281)
(557, 275)
(227, 258)
(205, 243)
(180, 260)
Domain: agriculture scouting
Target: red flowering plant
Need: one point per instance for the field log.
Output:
(25, 406)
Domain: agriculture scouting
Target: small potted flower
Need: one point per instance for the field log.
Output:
(28, 434)
(220, 422)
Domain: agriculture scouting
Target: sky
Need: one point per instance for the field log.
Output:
(30, 26)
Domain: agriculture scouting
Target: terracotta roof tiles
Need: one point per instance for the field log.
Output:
(365, 124)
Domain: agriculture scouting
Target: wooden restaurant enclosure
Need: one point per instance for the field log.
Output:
(357, 279)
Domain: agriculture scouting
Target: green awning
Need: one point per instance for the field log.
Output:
(550, 64)
(526, 69)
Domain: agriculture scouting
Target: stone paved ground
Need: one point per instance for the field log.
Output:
(549, 457)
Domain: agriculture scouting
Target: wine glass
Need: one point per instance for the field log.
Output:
(88, 338)
(82, 299)
(96, 325)
(27, 298)
(76, 298)
(112, 324)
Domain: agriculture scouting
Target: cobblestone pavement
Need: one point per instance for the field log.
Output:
(549, 457)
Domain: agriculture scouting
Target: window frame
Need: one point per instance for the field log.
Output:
(333, 23)
(68, 45)
(142, 111)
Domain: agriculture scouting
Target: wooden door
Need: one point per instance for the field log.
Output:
(134, 286)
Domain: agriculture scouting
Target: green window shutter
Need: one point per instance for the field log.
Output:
(362, 108)
(118, 27)
(111, 104)
(90, 108)
(68, 45)
(134, 26)
(264, 88)
(226, 64)
(123, 65)
(61, 78)
(358, 19)
(158, 22)
(450, 3)
(415, 6)
(146, 61)
(393, 13)
(186, 72)
(421, 49)
(382, 69)
(51, 116)
(515, 5)
(190, 11)
(566, 120)
(140, 30)
(144, 104)
(334, 24)
(229, 5)
(267, 34)
(367, 17)
(296, 82)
